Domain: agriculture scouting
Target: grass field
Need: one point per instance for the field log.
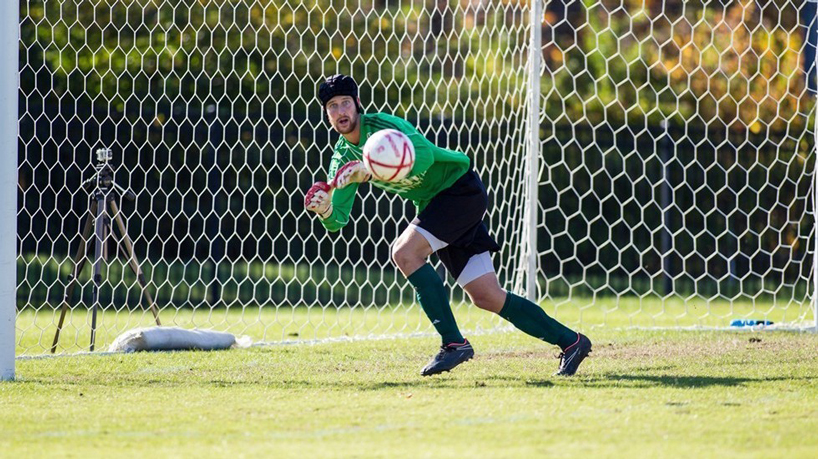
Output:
(35, 328)
(641, 394)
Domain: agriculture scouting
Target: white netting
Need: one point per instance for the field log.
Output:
(210, 109)
(678, 158)
(675, 171)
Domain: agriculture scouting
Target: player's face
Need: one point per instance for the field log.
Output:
(343, 114)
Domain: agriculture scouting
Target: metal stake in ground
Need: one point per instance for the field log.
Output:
(103, 193)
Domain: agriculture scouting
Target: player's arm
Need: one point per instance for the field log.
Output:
(333, 201)
(341, 203)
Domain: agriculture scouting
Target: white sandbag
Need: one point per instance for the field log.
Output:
(175, 339)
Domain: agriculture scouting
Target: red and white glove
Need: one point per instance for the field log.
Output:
(351, 172)
(319, 199)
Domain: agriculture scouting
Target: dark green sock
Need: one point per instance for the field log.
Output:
(434, 299)
(531, 319)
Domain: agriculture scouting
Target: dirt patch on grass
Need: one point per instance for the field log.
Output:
(532, 354)
(675, 346)
(702, 346)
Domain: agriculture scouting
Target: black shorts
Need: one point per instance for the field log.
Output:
(455, 216)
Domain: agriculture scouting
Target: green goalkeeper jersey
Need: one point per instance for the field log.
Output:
(435, 168)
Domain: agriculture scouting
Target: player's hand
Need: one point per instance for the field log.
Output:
(319, 199)
(351, 172)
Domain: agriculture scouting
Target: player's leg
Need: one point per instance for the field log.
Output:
(479, 280)
(410, 253)
(453, 217)
(485, 293)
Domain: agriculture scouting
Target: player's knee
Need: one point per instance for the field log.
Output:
(405, 259)
(488, 299)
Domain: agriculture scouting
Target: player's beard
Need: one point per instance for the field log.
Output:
(351, 124)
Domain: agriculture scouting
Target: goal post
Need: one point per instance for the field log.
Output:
(810, 20)
(9, 84)
(533, 152)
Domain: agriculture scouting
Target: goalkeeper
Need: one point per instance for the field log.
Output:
(451, 202)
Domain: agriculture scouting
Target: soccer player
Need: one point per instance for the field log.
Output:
(451, 202)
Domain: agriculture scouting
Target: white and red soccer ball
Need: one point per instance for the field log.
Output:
(389, 155)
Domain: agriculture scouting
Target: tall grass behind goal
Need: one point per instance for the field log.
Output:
(670, 181)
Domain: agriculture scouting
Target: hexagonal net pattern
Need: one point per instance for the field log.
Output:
(676, 181)
(209, 108)
(675, 163)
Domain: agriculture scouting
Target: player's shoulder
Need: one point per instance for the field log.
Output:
(381, 120)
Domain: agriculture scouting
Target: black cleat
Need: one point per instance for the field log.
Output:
(573, 355)
(450, 356)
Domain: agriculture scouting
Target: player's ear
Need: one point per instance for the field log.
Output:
(358, 105)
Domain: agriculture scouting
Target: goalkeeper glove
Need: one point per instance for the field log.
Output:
(351, 172)
(319, 199)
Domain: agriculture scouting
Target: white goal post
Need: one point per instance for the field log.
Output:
(814, 30)
(9, 49)
(650, 163)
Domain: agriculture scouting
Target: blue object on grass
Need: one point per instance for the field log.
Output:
(749, 322)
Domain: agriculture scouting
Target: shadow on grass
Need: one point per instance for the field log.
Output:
(615, 380)
(456, 384)
(603, 381)
(539, 383)
(185, 376)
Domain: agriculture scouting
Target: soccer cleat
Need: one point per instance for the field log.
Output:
(573, 355)
(450, 356)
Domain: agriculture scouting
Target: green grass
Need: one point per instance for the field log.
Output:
(35, 328)
(642, 394)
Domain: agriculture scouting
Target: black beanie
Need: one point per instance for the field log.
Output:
(338, 85)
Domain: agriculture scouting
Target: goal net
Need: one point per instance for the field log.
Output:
(677, 143)
(674, 167)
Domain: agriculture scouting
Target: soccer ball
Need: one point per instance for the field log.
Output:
(389, 155)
